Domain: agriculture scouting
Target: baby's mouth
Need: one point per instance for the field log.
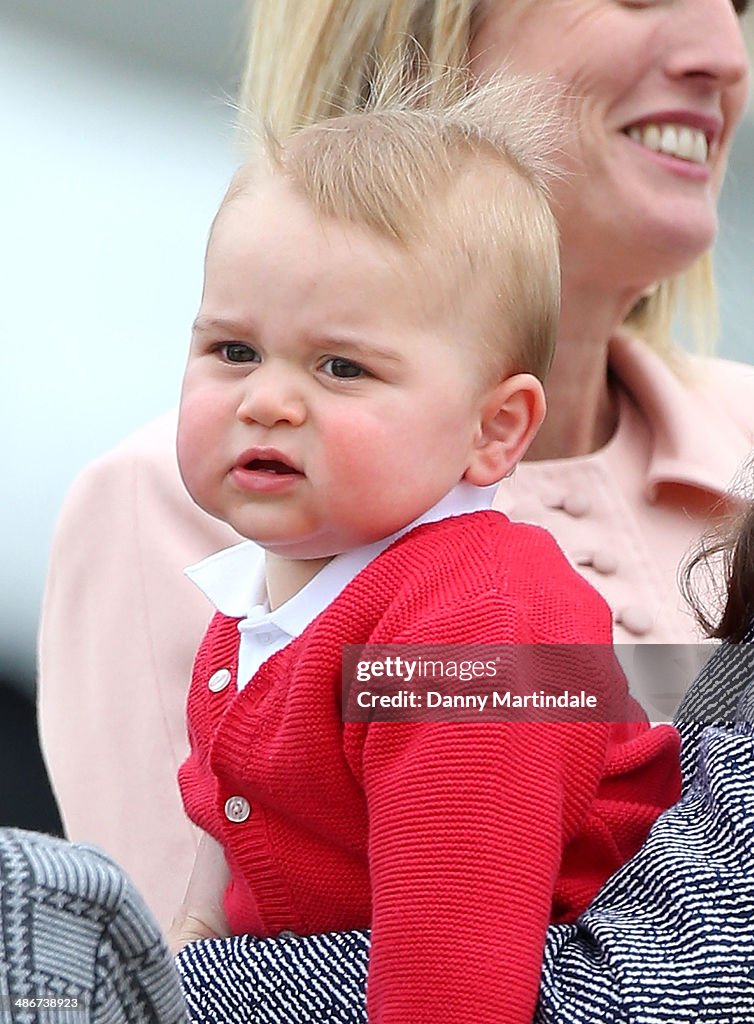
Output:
(271, 466)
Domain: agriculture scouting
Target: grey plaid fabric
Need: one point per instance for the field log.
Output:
(670, 938)
(74, 930)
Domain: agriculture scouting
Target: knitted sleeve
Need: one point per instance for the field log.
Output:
(467, 824)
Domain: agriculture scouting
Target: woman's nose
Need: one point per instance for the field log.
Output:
(708, 44)
(271, 396)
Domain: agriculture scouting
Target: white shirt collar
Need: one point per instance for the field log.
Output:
(234, 580)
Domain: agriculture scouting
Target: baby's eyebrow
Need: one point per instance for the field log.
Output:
(202, 324)
(364, 349)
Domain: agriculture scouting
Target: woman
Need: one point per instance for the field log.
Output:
(639, 446)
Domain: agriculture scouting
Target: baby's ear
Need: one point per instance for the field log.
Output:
(511, 415)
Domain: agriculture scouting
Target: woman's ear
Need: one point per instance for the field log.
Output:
(511, 415)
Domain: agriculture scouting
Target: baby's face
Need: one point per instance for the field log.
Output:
(329, 397)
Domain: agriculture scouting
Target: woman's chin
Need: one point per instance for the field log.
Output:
(643, 249)
(632, 226)
(671, 232)
(675, 243)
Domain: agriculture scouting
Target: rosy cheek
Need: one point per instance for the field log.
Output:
(350, 441)
(198, 427)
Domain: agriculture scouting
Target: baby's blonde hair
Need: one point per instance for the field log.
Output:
(459, 180)
(312, 59)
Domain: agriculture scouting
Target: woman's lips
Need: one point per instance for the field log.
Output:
(686, 141)
(675, 140)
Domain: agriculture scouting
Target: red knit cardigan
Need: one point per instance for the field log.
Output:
(457, 843)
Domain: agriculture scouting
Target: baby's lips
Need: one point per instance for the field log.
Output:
(267, 458)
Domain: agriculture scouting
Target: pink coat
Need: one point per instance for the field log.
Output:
(121, 623)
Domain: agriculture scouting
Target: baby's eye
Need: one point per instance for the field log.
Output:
(343, 369)
(236, 352)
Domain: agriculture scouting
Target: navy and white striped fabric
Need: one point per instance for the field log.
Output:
(287, 980)
(669, 938)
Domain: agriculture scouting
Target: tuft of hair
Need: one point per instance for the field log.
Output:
(309, 61)
(455, 176)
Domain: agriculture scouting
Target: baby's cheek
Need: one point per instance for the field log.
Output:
(367, 488)
(201, 412)
(355, 447)
(197, 429)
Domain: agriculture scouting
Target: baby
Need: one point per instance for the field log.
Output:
(379, 310)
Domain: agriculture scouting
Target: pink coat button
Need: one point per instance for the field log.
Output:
(552, 499)
(635, 619)
(605, 562)
(577, 505)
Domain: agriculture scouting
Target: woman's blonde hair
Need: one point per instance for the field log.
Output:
(309, 60)
(312, 59)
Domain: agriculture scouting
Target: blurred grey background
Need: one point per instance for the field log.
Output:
(117, 144)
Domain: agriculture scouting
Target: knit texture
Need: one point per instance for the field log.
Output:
(432, 832)
(73, 927)
(669, 939)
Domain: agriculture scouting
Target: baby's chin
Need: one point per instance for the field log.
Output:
(318, 549)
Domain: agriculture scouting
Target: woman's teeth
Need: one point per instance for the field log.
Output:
(673, 140)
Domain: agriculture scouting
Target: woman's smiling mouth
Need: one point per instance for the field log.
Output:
(677, 140)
